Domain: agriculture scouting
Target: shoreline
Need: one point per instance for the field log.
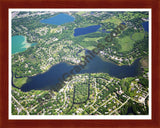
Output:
(25, 43)
(68, 63)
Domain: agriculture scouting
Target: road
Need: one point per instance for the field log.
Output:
(20, 105)
(119, 106)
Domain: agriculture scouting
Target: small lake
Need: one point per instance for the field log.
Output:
(59, 19)
(19, 44)
(49, 79)
(86, 30)
(145, 26)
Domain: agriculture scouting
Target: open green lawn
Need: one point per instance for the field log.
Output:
(112, 20)
(90, 47)
(18, 82)
(81, 12)
(126, 44)
(82, 53)
(92, 39)
(137, 36)
(128, 41)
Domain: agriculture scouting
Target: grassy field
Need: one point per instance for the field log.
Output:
(18, 82)
(126, 43)
(88, 44)
(90, 47)
(138, 36)
(113, 20)
(81, 12)
(82, 53)
(91, 39)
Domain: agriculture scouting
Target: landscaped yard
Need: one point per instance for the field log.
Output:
(18, 82)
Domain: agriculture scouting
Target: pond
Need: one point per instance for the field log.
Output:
(59, 19)
(86, 30)
(145, 26)
(19, 44)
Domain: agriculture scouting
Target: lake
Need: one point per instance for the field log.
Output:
(19, 44)
(86, 30)
(59, 19)
(145, 26)
(49, 79)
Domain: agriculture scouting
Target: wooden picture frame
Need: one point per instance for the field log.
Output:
(4, 63)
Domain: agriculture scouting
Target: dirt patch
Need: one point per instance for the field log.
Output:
(144, 62)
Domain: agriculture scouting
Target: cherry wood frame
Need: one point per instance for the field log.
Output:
(4, 39)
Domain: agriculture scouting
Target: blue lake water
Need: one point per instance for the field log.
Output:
(53, 76)
(86, 30)
(145, 26)
(19, 44)
(59, 19)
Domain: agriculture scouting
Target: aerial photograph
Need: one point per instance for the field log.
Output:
(79, 62)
